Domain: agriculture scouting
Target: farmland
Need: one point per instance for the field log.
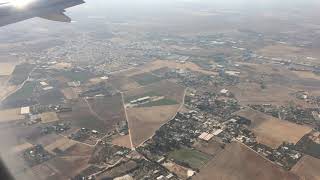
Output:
(6, 69)
(21, 96)
(101, 114)
(146, 118)
(272, 131)
(158, 64)
(237, 162)
(163, 88)
(143, 122)
(21, 73)
(81, 76)
(161, 102)
(49, 117)
(212, 147)
(145, 78)
(309, 147)
(70, 93)
(307, 168)
(8, 115)
(123, 141)
(193, 158)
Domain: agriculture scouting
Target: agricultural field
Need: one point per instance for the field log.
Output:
(70, 93)
(122, 141)
(252, 93)
(21, 96)
(145, 78)
(307, 75)
(308, 146)
(307, 168)
(6, 69)
(167, 89)
(180, 171)
(158, 64)
(272, 131)
(5, 87)
(49, 117)
(21, 147)
(68, 166)
(8, 115)
(53, 96)
(161, 102)
(72, 75)
(82, 117)
(21, 73)
(60, 145)
(101, 114)
(193, 158)
(146, 118)
(237, 162)
(62, 65)
(123, 83)
(109, 110)
(212, 147)
(143, 122)
(278, 82)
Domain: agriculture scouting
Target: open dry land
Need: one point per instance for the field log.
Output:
(290, 52)
(170, 64)
(49, 117)
(6, 69)
(101, 114)
(21, 147)
(279, 83)
(123, 141)
(164, 88)
(70, 93)
(272, 131)
(8, 115)
(123, 83)
(143, 122)
(109, 110)
(307, 75)
(74, 159)
(145, 78)
(6, 89)
(60, 145)
(180, 171)
(68, 166)
(62, 65)
(237, 162)
(251, 93)
(307, 168)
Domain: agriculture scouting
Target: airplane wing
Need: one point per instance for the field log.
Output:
(59, 16)
(47, 9)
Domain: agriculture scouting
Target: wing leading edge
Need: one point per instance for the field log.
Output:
(59, 16)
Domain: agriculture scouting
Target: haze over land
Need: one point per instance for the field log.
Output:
(164, 89)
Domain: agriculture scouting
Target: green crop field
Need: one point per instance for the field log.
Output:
(309, 147)
(161, 102)
(146, 78)
(151, 93)
(81, 76)
(21, 73)
(24, 93)
(193, 158)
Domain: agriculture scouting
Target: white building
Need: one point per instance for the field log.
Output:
(25, 110)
